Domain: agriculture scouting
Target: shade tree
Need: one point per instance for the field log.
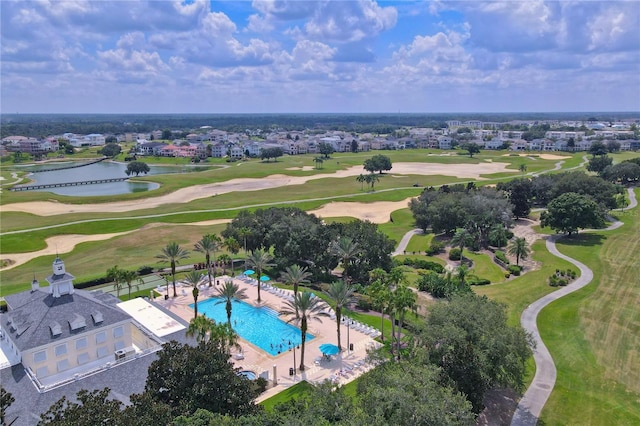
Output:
(469, 338)
(378, 163)
(570, 212)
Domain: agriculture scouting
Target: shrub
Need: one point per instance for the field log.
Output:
(501, 256)
(478, 281)
(145, 270)
(363, 304)
(507, 274)
(515, 269)
(424, 264)
(260, 384)
(436, 247)
(455, 253)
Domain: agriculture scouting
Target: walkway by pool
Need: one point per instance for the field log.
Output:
(341, 368)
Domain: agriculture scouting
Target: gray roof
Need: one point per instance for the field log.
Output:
(32, 315)
(123, 380)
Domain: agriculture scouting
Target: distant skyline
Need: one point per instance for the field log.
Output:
(343, 56)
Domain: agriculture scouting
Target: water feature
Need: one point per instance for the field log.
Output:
(102, 170)
(251, 375)
(259, 326)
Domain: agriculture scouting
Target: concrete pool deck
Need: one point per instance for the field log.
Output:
(341, 368)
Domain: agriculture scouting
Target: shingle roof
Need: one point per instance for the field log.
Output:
(32, 314)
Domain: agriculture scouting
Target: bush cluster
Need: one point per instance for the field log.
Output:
(424, 264)
(514, 269)
(436, 247)
(478, 281)
(501, 256)
(455, 253)
(562, 277)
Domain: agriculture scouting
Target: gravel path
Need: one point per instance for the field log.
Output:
(536, 396)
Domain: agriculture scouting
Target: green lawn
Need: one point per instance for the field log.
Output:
(485, 267)
(294, 391)
(518, 293)
(594, 334)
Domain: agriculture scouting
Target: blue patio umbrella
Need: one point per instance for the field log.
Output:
(249, 272)
(264, 278)
(329, 349)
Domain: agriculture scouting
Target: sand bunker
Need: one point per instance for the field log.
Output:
(542, 156)
(303, 168)
(378, 212)
(57, 245)
(66, 243)
(195, 192)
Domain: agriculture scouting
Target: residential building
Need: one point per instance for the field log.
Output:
(59, 333)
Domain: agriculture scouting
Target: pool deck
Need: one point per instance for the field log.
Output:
(340, 369)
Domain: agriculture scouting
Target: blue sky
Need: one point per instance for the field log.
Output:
(362, 56)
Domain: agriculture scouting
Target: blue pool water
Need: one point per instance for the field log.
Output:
(259, 326)
(251, 375)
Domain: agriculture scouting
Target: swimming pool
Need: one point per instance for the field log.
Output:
(251, 375)
(259, 326)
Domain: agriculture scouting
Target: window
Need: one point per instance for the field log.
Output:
(81, 343)
(63, 365)
(119, 344)
(61, 349)
(83, 358)
(102, 351)
(40, 356)
(101, 337)
(118, 331)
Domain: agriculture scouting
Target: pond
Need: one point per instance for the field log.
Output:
(102, 170)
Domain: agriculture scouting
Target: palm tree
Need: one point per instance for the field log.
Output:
(304, 308)
(341, 296)
(208, 244)
(295, 275)
(318, 161)
(244, 232)
(173, 253)
(224, 259)
(371, 179)
(461, 238)
(403, 298)
(361, 179)
(205, 329)
(127, 277)
(230, 291)
(234, 247)
(114, 274)
(394, 279)
(199, 327)
(223, 335)
(193, 279)
(523, 168)
(461, 273)
(519, 248)
(346, 250)
(260, 260)
(380, 294)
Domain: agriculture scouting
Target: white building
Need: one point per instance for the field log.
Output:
(59, 333)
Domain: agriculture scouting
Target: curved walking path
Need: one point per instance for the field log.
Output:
(404, 242)
(536, 396)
